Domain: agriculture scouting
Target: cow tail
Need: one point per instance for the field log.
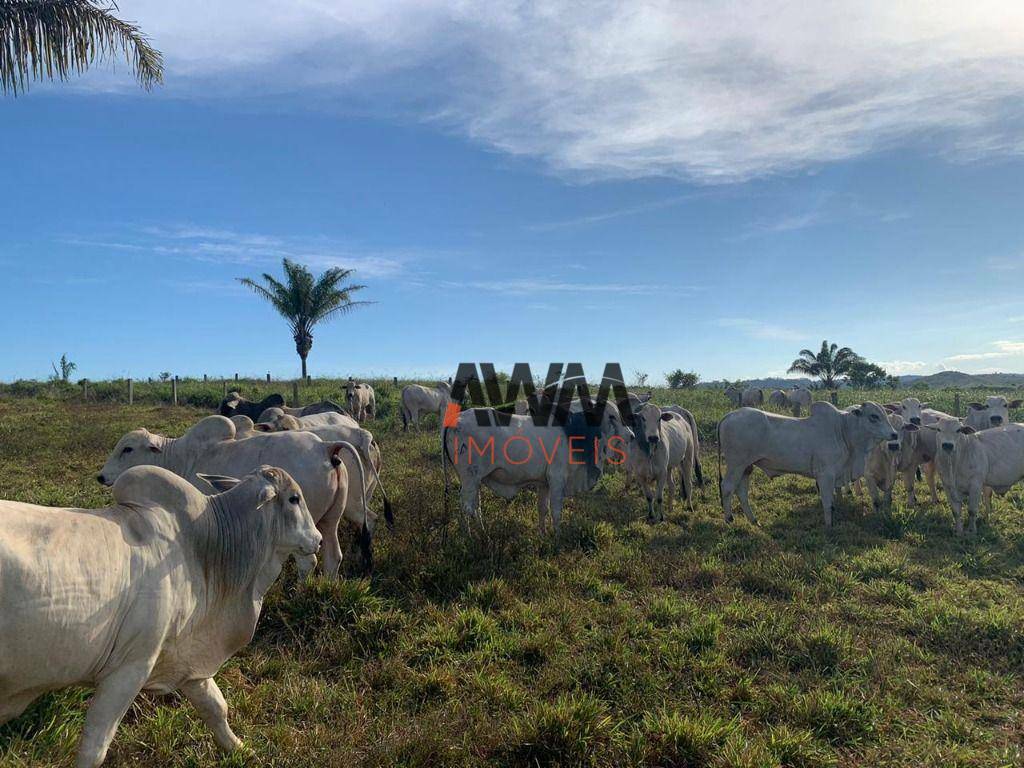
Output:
(697, 469)
(444, 465)
(389, 515)
(718, 430)
(917, 472)
(405, 412)
(365, 535)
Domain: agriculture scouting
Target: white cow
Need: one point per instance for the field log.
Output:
(417, 400)
(829, 445)
(910, 409)
(210, 447)
(752, 397)
(556, 461)
(795, 399)
(361, 400)
(662, 442)
(995, 412)
(973, 464)
(322, 419)
(883, 463)
(734, 395)
(152, 593)
(361, 439)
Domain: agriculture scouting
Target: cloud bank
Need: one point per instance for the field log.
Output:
(705, 91)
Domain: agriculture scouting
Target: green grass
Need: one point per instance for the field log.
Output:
(688, 643)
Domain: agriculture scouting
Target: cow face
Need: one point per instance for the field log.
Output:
(282, 422)
(875, 421)
(296, 532)
(139, 447)
(951, 434)
(996, 409)
(906, 435)
(911, 410)
(647, 426)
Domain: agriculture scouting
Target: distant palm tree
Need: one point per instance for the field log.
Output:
(304, 301)
(53, 38)
(829, 365)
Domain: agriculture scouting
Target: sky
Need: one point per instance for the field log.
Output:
(705, 186)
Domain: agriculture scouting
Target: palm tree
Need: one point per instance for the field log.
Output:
(829, 365)
(53, 38)
(304, 301)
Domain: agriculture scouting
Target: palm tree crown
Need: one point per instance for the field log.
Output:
(53, 38)
(304, 301)
(828, 365)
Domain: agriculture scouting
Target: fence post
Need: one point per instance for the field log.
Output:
(268, 377)
(174, 390)
(295, 394)
(224, 384)
(236, 377)
(956, 404)
(834, 397)
(394, 380)
(85, 390)
(131, 392)
(204, 378)
(309, 378)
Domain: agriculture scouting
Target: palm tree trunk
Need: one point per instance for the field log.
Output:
(303, 358)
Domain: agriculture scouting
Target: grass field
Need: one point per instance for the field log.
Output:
(688, 643)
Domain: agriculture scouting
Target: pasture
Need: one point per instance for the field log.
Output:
(886, 642)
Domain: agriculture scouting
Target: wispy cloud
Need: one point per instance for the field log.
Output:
(618, 213)
(1001, 349)
(903, 367)
(224, 245)
(713, 92)
(761, 330)
(532, 286)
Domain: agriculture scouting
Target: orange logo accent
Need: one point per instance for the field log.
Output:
(451, 415)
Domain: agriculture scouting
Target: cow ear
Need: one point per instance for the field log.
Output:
(666, 417)
(219, 482)
(857, 411)
(977, 406)
(891, 407)
(154, 448)
(910, 427)
(966, 430)
(926, 405)
(262, 427)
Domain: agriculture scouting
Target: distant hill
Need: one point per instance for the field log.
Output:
(941, 380)
(945, 379)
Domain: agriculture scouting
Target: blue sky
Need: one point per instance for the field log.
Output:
(657, 186)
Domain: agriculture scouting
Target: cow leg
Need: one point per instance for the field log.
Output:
(686, 476)
(542, 509)
(988, 501)
(973, 503)
(732, 478)
(888, 494)
(827, 487)
(873, 491)
(645, 487)
(469, 497)
(114, 694)
(659, 494)
(908, 483)
(930, 473)
(330, 547)
(956, 504)
(209, 702)
(742, 491)
(556, 493)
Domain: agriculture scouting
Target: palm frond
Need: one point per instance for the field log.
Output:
(55, 38)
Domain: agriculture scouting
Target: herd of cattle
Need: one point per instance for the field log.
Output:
(158, 590)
